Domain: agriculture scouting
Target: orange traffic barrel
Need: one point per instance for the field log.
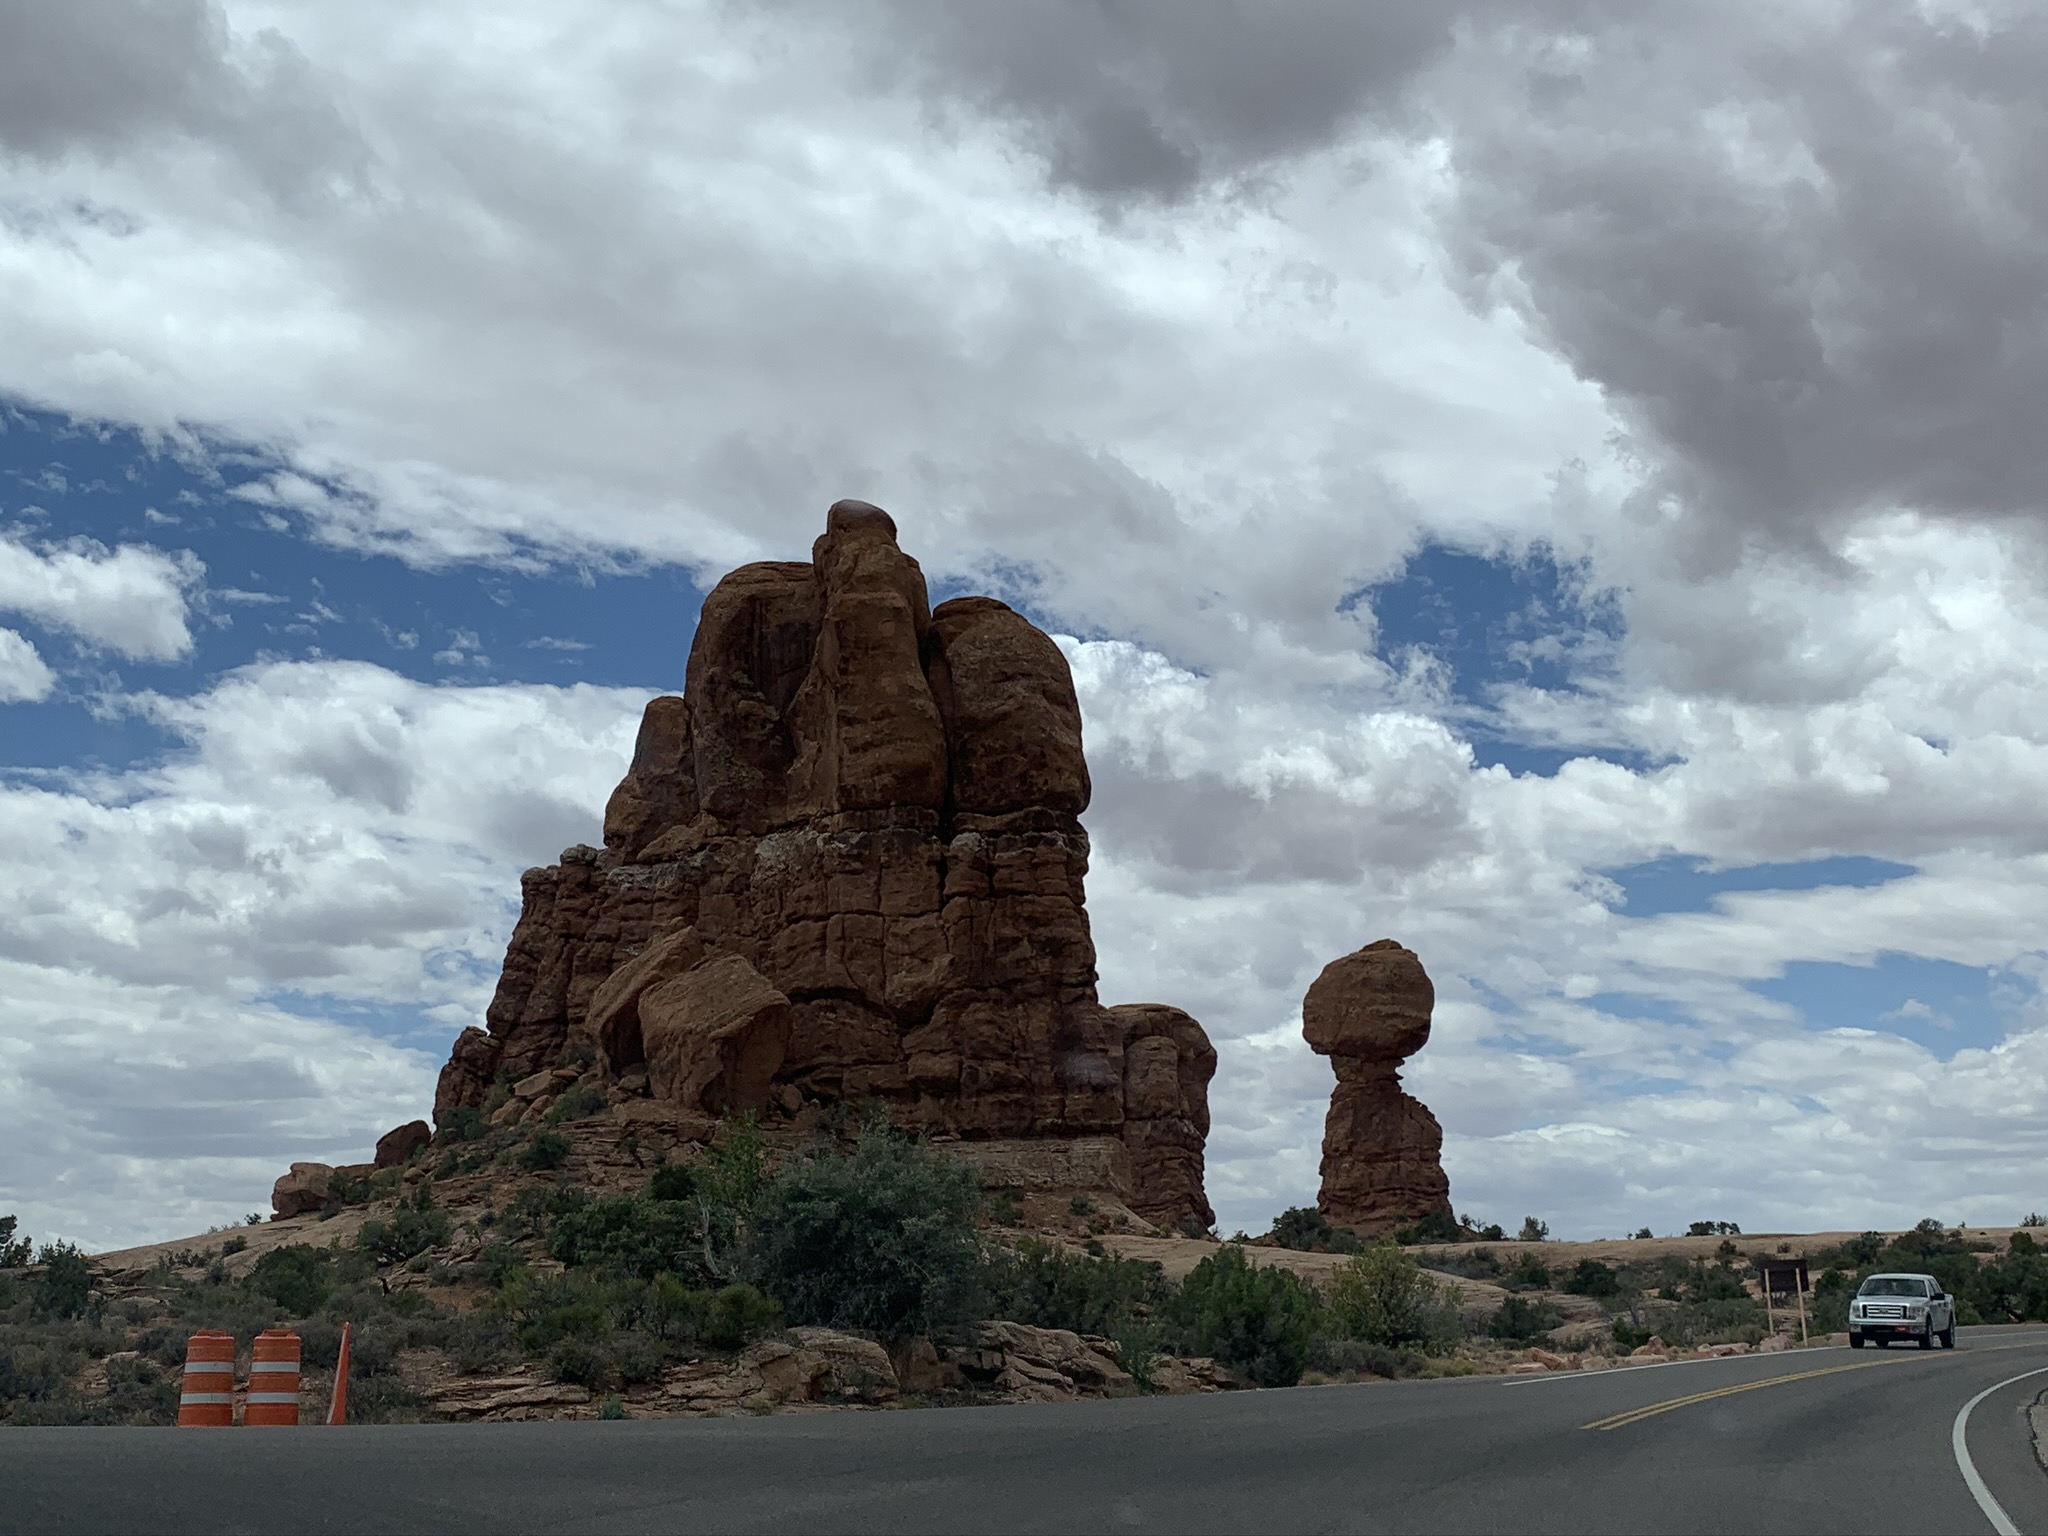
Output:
(208, 1398)
(273, 1379)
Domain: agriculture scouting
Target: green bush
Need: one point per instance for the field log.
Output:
(1255, 1320)
(464, 1123)
(1534, 1231)
(1528, 1271)
(408, 1233)
(1361, 1357)
(1384, 1297)
(1521, 1319)
(1629, 1335)
(1436, 1227)
(65, 1287)
(626, 1235)
(1307, 1230)
(296, 1277)
(1592, 1278)
(14, 1251)
(1048, 1286)
(577, 1104)
(548, 1149)
(882, 1240)
(738, 1315)
(582, 1361)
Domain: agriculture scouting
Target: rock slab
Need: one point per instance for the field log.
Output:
(846, 866)
(1382, 1149)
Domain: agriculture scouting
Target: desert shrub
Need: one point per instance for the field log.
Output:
(577, 1104)
(14, 1251)
(1307, 1230)
(383, 1399)
(1384, 1297)
(1629, 1335)
(409, 1232)
(1363, 1357)
(626, 1235)
(611, 1408)
(1593, 1278)
(1528, 1271)
(1474, 1264)
(1715, 1283)
(1521, 1319)
(1533, 1231)
(736, 1316)
(1048, 1286)
(65, 1286)
(1436, 1227)
(1717, 1321)
(298, 1278)
(1004, 1207)
(883, 1239)
(1713, 1229)
(499, 1264)
(464, 1123)
(548, 1149)
(1081, 1205)
(582, 1361)
(481, 1341)
(1258, 1321)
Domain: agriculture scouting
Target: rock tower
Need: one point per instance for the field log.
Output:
(1382, 1148)
(846, 867)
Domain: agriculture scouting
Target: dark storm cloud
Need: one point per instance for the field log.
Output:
(1804, 251)
(105, 76)
(1151, 102)
(96, 72)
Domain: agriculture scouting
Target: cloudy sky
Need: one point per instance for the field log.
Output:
(1559, 485)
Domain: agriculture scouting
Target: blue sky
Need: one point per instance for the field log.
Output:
(1482, 513)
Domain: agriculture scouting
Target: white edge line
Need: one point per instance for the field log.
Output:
(2001, 1522)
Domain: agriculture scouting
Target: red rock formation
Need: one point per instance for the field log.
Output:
(400, 1142)
(1382, 1148)
(846, 866)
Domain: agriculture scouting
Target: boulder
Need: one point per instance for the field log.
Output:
(860, 819)
(1382, 1148)
(398, 1144)
(301, 1192)
(715, 1037)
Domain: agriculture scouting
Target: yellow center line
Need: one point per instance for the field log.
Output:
(1636, 1415)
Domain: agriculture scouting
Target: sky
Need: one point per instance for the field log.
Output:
(1558, 485)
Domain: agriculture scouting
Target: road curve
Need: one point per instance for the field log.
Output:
(1819, 1440)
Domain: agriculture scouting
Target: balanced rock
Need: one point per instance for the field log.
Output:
(846, 866)
(1382, 1148)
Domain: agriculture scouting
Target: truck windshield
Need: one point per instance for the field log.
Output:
(1892, 1285)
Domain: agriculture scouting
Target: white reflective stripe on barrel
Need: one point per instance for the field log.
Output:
(209, 1365)
(271, 1397)
(275, 1365)
(206, 1397)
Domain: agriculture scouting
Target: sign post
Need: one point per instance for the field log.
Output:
(1783, 1277)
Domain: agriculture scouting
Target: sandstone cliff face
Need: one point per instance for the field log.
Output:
(1368, 1012)
(846, 866)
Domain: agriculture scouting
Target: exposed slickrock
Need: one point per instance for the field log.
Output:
(1382, 1148)
(846, 866)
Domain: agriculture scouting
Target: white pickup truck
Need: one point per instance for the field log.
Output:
(1888, 1307)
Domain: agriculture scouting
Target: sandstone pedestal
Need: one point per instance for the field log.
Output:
(1382, 1149)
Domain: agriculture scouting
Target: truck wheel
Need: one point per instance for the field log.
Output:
(1926, 1339)
(1855, 1341)
(1948, 1336)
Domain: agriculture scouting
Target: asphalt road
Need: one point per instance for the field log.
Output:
(1820, 1440)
